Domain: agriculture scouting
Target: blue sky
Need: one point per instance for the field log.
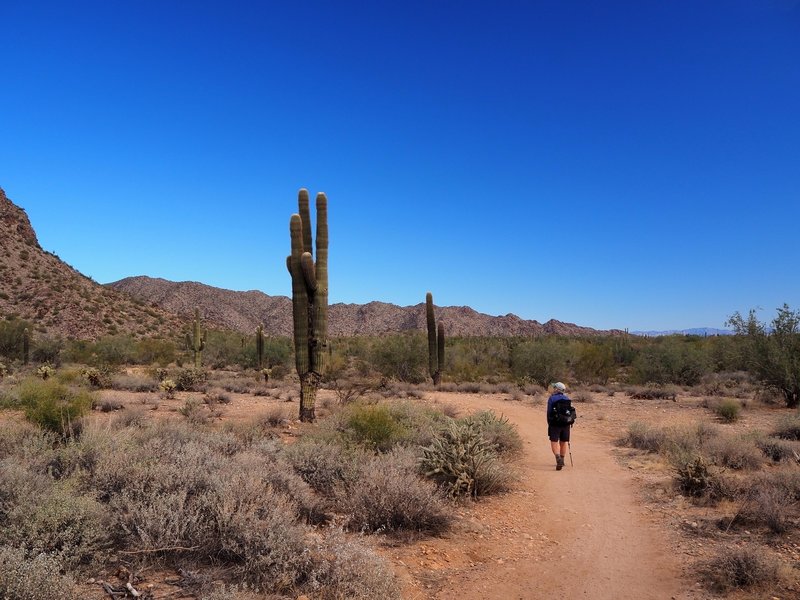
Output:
(613, 164)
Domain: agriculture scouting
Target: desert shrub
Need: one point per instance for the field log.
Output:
(670, 359)
(728, 410)
(739, 567)
(275, 416)
(643, 437)
(541, 361)
(324, 465)
(733, 452)
(374, 427)
(134, 383)
(216, 397)
(356, 573)
(60, 522)
(464, 462)
(33, 577)
(653, 392)
(195, 412)
(681, 444)
(768, 505)
(788, 428)
(189, 380)
(402, 357)
(776, 449)
(381, 427)
(168, 387)
(389, 495)
(54, 406)
(595, 363)
(772, 352)
(498, 431)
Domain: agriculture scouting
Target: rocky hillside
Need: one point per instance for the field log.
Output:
(243, 311)
(41, 288)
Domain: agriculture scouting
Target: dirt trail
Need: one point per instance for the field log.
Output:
(575, 533)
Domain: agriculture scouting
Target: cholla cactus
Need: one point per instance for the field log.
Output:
(168, 387)
(3, 370)
(309, 299)
(45, 371)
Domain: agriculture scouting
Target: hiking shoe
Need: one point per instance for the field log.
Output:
(559, 462)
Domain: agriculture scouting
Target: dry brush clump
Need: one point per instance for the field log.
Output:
(166, 494)
(24, 576)
(389, 495)
(740, 567)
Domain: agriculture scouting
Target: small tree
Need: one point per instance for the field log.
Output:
(772, 353)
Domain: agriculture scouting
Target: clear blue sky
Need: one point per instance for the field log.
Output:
(614, 164)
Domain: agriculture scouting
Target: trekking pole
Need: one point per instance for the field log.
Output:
(572, 464)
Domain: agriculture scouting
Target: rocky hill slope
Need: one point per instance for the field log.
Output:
(58, 300)
(243, 311)
(40, 288)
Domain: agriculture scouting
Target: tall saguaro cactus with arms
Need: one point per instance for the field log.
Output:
(309, 298)
(435, 342)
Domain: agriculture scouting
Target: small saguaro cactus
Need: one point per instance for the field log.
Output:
(196, 342)
(435, 342)
(26, 345)
(309, 299)
(260, 345)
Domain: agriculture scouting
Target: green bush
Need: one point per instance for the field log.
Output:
(728, 410)
(402, 357)
(542, 361)
(374, 426)
(53, 405)
(772, 352)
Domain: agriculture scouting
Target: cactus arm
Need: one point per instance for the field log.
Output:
(309, 272)
(321, 320)
(299, 296)
(305, 216)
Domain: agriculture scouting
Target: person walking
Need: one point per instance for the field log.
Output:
(560, 417)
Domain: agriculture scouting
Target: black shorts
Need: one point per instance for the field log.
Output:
(558, 433)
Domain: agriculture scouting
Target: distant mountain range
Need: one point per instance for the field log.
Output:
(243, 311)
(702, 331)
(39, 287)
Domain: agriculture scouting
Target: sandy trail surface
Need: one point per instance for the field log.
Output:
(575, 533)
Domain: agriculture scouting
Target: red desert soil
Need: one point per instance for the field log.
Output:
(575, 533)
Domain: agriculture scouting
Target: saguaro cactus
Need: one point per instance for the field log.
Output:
(196, 342)
(26, 345)
(435, 342)
(260, 345)
(309, 299)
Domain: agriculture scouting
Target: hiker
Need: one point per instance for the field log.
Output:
(560, 417)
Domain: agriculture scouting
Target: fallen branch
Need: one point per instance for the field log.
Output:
(155, 550)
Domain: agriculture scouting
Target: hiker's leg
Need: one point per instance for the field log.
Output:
(555, 447)
(563, 448)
